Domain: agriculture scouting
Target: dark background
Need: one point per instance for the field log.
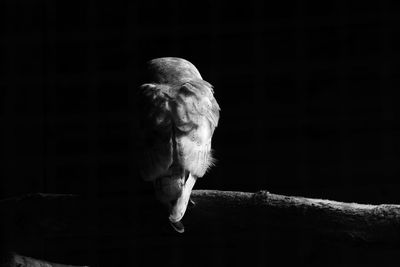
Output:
(307, 91)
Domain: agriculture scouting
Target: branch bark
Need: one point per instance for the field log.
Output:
(57, 222)
(23, 261)
(332, 219)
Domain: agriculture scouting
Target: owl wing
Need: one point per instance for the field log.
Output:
(154, 140)
(195, 100)
(176, 117)
(195, 114)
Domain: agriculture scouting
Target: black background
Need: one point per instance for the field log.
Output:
(307, 91)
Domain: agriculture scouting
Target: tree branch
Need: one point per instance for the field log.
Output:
(337, 220)
(23, 261)
(57, 222)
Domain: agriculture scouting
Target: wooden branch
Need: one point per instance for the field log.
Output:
(23, 261)
(62, 221)
(332, 219)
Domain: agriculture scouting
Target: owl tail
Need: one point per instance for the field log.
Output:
(178, 210)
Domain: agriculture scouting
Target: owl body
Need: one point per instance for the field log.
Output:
(178, 117)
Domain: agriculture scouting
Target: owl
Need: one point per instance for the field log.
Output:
(178, 116)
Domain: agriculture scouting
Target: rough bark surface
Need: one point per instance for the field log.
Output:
(338, 220)
(23, 261)
(53, 223)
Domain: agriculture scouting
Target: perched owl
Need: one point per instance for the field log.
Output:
(178, 115)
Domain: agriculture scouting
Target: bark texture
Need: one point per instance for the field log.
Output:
(23, 261)
(52, 225)
(331, 219)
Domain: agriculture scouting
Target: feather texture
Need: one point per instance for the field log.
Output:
(177, 124)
